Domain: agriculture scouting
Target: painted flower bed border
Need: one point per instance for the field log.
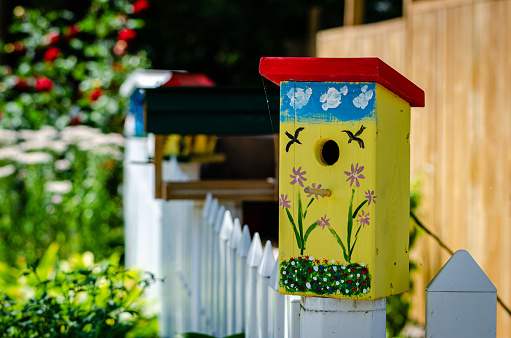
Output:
(326, 278)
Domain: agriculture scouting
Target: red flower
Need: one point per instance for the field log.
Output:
(139, 6)
(352, 270)
(19, 47)
(309, 270)
(299, 258)
(51, 54)
(71, 31)
(354, 289)
(307, 257)
(95, 94)
(349, 282)
(43, 84)
(75, 121)
(21, 85)
(363, 284)
(126, 34)
(52, 37)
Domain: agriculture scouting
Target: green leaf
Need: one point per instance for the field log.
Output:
(307, 233)
(300, 217)
(339, 240)
(355, 241)
(350, 218)
(298, 238)
(307, 208)
(358, 208)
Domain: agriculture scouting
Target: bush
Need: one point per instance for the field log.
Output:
(65, 68)
(60, 187)
(74, 298)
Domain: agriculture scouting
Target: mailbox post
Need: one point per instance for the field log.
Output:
(344, 177)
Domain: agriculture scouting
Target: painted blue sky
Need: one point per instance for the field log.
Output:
(327, 101)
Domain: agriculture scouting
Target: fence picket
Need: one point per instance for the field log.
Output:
(224, 238)
(253, 260)
(276, 319)
(215, 281)
(461, 301)
(209, 267)
(234, 244)
(241, 278)
(263, 279)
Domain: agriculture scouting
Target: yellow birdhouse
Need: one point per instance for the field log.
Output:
(344, 176)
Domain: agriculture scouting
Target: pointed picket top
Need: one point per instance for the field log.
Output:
(227, 226)
(461, 274)
(236, 234)
(274, 277)
(256, 251)
(219, 219)
(213, 211)
(207, 205)
(267, 262)
(245, 243)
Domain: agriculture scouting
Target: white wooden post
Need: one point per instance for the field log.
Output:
(331, 317)
(292, 313)
(276, 316)
(461, 301)
(242, 278)
(224, 237)
(253, 260)
(235, 242)
(263, 279)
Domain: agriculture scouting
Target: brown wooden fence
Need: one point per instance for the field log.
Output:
(459, 53)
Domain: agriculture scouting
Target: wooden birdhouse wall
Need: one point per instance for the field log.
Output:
(350, 138)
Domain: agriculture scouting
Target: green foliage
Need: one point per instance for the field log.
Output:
(74, 298)
(399, 306)
(65, 68)
(59, 187)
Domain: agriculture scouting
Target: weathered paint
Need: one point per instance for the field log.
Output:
(371, 173)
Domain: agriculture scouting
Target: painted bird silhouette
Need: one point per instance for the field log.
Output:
(293, 138)
(356, 136)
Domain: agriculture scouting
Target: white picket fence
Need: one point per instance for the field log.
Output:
(219, 280)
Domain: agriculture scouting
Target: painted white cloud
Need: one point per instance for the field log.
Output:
(332, 98)
(300, 97)
(362, 100)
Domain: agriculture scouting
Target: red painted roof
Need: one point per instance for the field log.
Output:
(189, 80)
(309, 69)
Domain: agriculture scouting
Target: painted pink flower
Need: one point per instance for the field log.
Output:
(323, 222)
(314, 187)
(363, 218)
(355, 174)
(370, 197)
(298, 176)
(283, 202)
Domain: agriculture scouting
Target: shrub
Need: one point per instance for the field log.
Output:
(60, 187)
(65, 68)
(74, 298)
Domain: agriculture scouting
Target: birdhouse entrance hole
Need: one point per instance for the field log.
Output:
(329, 152)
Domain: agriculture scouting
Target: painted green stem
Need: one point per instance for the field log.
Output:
(301, 239)
(348, 251)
